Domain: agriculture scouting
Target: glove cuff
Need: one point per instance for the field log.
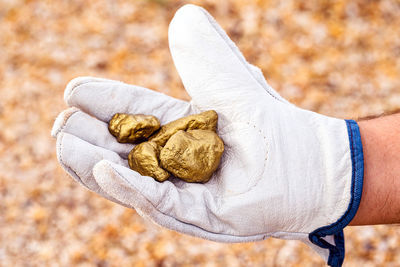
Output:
(337, 251)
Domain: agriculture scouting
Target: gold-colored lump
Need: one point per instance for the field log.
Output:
(187, 148)
(193, 155)
(144, 158)
(206, 120)
(129, 128)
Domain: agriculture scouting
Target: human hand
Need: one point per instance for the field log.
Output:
(286, 172)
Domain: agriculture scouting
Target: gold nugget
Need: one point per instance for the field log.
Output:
(129, 128)
(144, 159)
(192, 156)
(206, 120)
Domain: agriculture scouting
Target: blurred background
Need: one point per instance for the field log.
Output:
(339, 58)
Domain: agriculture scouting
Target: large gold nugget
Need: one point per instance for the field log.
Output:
(129, 128)
(192, 156)
(144, 159)
(206, 120)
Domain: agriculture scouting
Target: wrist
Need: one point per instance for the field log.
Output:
(380, 202)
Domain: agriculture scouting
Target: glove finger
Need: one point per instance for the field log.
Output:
(211, 67)
(189, 203)
(103, 98)
(151, 199)
(77, 157)
(89, 129)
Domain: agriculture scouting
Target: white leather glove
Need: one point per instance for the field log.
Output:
(286, 172)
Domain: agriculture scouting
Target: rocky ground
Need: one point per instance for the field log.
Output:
(339, 58)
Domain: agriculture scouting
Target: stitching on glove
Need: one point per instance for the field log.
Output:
(264, 161)
(259, 178)
(233, 48)
(258, 72)
(68, 169)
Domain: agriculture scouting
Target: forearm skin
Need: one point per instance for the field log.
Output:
(380, 201)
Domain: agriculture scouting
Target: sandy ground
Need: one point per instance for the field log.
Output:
(339, 58)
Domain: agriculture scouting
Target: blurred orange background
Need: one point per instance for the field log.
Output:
(339, 58)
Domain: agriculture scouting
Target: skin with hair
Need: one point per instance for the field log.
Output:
(380, 201)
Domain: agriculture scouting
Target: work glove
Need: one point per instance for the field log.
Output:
(285, 172)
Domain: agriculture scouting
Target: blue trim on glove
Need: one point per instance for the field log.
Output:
(336, 252)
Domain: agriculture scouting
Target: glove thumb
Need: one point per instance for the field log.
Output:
(212, 69)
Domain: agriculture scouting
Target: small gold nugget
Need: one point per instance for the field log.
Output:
(144, 159)
(129, 128)
(192, 156)
(206, 120)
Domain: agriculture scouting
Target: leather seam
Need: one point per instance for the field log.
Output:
(65, 166)
(238, 57)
